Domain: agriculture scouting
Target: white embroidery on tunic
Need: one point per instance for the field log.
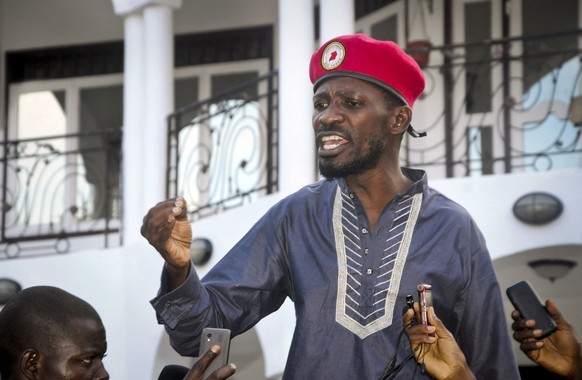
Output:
(366, 312)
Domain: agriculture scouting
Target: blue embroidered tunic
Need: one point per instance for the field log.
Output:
(349, 284)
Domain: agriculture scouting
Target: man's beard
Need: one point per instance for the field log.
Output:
(356, 165)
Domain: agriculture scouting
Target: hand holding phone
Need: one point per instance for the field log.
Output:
(210, 337)
(527, 302)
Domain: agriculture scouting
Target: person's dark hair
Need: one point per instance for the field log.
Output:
(38, 318)
(392, 101)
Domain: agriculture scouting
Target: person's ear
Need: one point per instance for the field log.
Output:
(30, 364)
(401, 119)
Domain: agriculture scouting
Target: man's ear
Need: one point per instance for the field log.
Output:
(402, 118)
(30, 364)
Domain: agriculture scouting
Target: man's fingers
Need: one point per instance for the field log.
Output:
(531, 345)
(515, 315)
(222, 373)
(197, 370)
(526, 335)
(180, 209)
(157, 224)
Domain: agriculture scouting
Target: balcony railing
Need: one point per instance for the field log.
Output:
(223, 150)
(57, 188)
(499, 106)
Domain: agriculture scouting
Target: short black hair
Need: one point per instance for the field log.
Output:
(38, 318)
(392, 101)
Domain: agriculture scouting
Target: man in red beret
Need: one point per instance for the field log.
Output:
(347, 249)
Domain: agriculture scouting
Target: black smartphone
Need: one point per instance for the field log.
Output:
(424, 301)
(210, 337)
(525, 300)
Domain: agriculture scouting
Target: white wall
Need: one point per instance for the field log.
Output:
(490, 200)
(30, 23)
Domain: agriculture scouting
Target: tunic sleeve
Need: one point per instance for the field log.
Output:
(248, 283)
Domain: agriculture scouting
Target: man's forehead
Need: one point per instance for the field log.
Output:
(87, 329)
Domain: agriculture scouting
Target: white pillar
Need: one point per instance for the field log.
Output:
(148, 99)
(158, 65)
(296, 137)
(336, 17)
(133, 142)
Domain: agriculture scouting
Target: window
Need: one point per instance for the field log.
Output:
(222, 142)
(551, 80)
(478, 74)
(63, 158)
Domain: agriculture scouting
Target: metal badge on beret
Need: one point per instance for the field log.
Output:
(333, 55)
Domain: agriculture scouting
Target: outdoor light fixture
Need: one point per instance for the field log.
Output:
(200, 251)
(8, 288)
(552, 269)
(537, 208)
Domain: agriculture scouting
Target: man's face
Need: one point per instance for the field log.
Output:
(350, 120)
(79, 355)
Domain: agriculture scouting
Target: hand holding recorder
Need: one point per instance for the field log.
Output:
(435, 347)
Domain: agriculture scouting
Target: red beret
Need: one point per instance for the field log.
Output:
(381, 62)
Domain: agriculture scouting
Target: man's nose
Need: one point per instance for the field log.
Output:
(102, 374)
(330, 116)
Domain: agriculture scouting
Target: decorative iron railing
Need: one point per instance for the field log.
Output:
(223, 150)
(499, 106)
(57, 188)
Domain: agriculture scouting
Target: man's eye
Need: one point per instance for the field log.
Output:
(352, 103)
(87, 361)
(319, 105)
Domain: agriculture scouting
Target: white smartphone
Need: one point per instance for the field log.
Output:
(210, 337)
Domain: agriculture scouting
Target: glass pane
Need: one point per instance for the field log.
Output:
(479, 150)
(549, 135)
(237, 116)
(551, 78)
(546, 17)
(227, 82)
(185, 94)
(37, 166)
(233, 126)
(478, 75)
(101, 116)
(41, 114)
(386, 29)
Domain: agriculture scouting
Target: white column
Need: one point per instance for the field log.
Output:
(336, 17)
(296, 137)
(148, 99)
(158, 65)
(133, 141)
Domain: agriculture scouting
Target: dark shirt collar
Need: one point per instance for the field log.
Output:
(417, 176)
